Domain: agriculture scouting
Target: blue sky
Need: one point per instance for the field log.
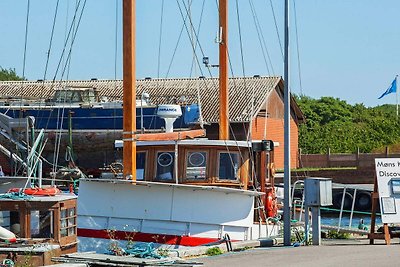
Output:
(348, 49)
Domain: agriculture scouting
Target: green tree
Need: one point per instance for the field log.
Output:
(9, 75)
(333, 123)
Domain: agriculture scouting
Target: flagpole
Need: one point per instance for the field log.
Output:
(397, 99)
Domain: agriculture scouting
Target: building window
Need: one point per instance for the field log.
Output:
(228, 168)
(165, 166)
(140, 165)
(68, 222)
(196, 165)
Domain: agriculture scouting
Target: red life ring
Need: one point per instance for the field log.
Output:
(271, 205)
(37, 191)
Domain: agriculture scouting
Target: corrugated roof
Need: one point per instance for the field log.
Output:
(164, 91)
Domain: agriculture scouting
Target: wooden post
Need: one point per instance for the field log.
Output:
(223, 72)
(129, 91)
(328, 157)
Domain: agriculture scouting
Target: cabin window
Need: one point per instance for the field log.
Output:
(5, 219)
(67, 96)
(165, 166)
(15, 225)
(140, 165)
(89, 96)
(228, 167)
(41, 224)
(196, 165)
(68, 222)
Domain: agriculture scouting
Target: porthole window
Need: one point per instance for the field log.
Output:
(165, 166)
(196, 165)
(197, 159)
(165, 159)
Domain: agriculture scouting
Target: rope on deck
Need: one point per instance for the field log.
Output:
(140, 250)
(15, 196)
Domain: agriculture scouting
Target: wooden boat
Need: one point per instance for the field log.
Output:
(174, 191)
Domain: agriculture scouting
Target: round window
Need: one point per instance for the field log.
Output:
(196, 159)
(165, 159)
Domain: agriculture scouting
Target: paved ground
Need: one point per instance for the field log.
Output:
(330, 253)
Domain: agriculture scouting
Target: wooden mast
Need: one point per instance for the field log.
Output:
(223, 71)
(129, 89)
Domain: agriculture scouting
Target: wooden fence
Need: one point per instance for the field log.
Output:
(329, 160)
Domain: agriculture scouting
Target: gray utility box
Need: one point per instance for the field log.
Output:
(318, 191)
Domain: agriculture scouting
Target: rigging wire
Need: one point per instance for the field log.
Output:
(26, 38)
(160, 40)
(51, 41)
(48, 57)
(201, 119)
(263, 44)
(297, 46)
(23, 70)
(197, 39)
(249, 131)
(117, 4)
(198, 32)
(75, 31)
(70, 31)
(276, 27)
(68, 61)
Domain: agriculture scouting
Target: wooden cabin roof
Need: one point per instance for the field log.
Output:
(168, 91)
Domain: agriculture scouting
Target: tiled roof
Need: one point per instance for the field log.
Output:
(164, 91)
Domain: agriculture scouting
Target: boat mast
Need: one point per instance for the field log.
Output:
(223, 71)
(286, 182)
(129, 91)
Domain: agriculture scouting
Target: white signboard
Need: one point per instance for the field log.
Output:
(388, 177)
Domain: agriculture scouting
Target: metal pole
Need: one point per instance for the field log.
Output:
(141, 113)
(306, 224)
(352, 206)
(286, 182)
(316, 225)
(397, 99)
(341, 208)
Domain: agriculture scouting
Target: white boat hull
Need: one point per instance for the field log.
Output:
(178, 215)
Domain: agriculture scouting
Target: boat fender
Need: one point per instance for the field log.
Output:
(7, 235)
(271, 205)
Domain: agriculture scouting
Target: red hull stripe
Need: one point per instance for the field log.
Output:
(146, 237)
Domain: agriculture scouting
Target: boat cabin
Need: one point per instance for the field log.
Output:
(46, 220)
(203, 162)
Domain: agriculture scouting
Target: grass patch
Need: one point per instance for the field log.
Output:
(333, 234)
(214, 251)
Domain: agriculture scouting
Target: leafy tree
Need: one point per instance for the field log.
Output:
(9, 75)
(335, 124)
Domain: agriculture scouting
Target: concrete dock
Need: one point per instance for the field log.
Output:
(351, 252)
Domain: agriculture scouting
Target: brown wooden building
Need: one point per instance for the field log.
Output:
(255, 103)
